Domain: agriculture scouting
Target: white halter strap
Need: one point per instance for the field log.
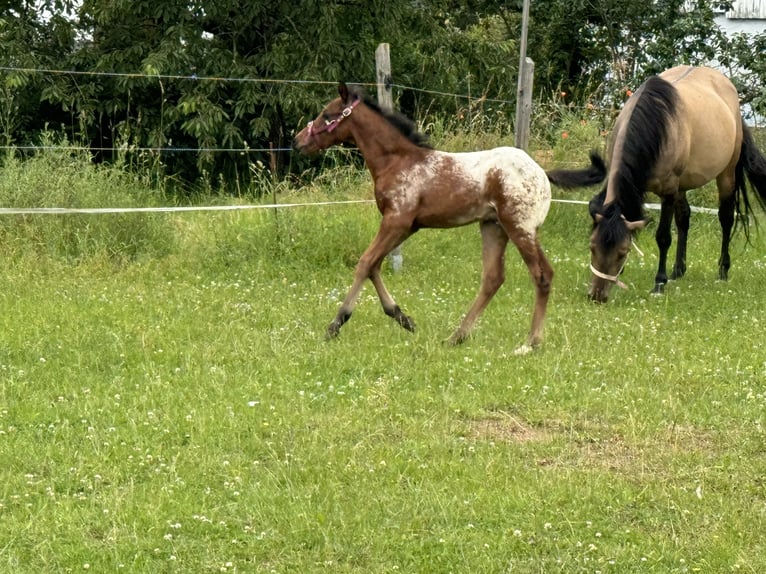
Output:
(616, 278)
(613, 278)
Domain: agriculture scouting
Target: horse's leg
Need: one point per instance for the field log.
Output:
(390, 234)
(664, 239)
(542, 276)
(682, 216)
(494, 240)
(726, 205)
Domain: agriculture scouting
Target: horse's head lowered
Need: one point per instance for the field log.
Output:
(328, 128)
(610, 243)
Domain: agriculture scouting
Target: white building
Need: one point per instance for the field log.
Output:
(746, 17)
(748, 10)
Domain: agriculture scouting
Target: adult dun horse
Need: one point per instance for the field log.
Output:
(419, 187)
(678, 131)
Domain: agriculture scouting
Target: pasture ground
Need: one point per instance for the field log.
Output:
(179, 410)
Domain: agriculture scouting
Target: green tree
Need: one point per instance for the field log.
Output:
(746, 58)
(587, 47)
(235, 74)
(33, 35)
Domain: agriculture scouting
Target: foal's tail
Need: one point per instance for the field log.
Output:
(570, 178)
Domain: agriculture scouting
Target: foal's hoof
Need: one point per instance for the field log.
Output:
(405, 322)
(401, 318)
(456, 338)
(659, 289)
(332, 331)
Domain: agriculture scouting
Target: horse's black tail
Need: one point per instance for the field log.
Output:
(571, 178)
(753, 164)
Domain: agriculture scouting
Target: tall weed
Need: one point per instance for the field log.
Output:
(64, 177)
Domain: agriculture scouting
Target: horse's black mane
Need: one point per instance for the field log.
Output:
(644, 137)
(401, 122)
(611, 229)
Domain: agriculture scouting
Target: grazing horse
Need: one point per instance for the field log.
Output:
(678, 131)
(418, 187)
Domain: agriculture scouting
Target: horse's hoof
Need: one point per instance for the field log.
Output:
(659, 289)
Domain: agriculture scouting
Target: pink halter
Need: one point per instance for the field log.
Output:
(330, 125)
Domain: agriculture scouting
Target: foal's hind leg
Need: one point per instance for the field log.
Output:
(542, 276)
(390, 234)
(494, 240)
(390, 307)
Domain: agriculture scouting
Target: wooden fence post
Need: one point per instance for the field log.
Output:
(386, 102)
(524, 91)
(524, 103)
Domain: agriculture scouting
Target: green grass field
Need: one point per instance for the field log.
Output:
(168, 402)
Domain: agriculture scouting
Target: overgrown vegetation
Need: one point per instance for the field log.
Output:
(63, 177)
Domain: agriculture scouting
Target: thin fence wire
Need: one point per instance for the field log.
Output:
(134, 75)
(196, 78)
(171, 209)
(143, 149)
(242, 207)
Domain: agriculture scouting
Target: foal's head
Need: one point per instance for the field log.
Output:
(328, 128)
(332, 126)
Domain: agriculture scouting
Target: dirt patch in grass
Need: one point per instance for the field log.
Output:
(507, 428)
(593, 445)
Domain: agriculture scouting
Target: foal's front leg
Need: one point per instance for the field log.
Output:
(390, 234)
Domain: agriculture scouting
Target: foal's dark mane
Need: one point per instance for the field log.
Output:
(644, 138)
(402, 123)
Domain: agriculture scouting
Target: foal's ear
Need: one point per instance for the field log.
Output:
(343, 91)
